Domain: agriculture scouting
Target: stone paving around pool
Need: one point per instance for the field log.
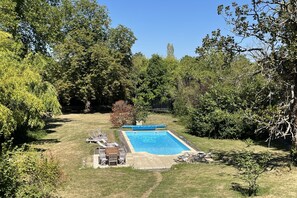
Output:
(148, 161)
(144, 161)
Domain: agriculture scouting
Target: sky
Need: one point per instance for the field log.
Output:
(155, 23)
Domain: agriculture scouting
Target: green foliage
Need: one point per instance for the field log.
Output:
(250, 167)
(8, 15)
(157, 80)
(214, 119)
(94, 60)
(24, 98)
(222, 98)
(153, 81)
(8, 182)
(140, 63)
(249, 142)
(140, 87)
(269, 23)
(120, 41)
(187, 86)
(27, 173)
(7, 123)
(35, 23)
(87, 60)
(140, 109)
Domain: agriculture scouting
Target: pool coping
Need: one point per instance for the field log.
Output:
(179, 139)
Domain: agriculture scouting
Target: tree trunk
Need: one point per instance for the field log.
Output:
(293, 115)
(87, 107)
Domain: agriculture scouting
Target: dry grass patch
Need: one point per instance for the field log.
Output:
(70, 131)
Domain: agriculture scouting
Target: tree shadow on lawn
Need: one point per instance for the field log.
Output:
(36, 136)
(50, 125)
(53, 123)
(50, 122)
(240, 188)
(229, 158)
(45, 141)
(277, 144)
(33, 137)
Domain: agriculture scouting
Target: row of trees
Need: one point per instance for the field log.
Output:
(70, 49)
(86, 60)
(56, 52)
(215, 98)
(230, 90)
(53, 52)
(220, 93)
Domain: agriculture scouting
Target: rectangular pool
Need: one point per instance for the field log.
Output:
(156, 142)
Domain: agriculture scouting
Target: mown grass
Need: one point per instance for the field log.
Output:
(73, 152)
(66, 141)
(197, 180)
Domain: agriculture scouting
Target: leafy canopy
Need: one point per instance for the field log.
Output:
(24, 97)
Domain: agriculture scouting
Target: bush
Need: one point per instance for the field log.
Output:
(217, 115)
(122, 113)
(218, 123)
(27, 173)
(250, 167)
(8, 176)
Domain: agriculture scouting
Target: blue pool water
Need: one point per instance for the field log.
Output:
(155, 142)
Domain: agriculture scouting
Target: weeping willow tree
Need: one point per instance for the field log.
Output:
(25, 98)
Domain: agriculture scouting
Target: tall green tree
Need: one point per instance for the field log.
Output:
(140, 86)
(94, 60)
(170, 50)
(191, 80)
(121, 40)
(157, 81)
(36, 23)
(85, 28)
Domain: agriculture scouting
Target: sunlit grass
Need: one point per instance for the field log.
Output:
(71, 131)
(66, 141)
(197, 180)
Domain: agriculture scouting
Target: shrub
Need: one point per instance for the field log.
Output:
(8, 178)
(250, 167)
(122, 113)
(219, 116)
(218, 123)
(27, 173)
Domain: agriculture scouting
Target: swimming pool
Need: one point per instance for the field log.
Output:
(156, 142)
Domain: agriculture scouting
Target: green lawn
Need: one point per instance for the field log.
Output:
(66, 141)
